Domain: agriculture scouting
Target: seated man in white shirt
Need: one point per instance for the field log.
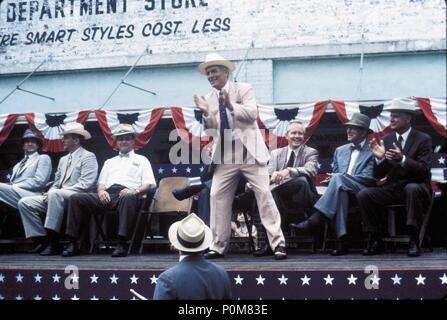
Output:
(122, 179)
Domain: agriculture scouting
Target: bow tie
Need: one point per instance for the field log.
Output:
(124, 155)
(355, 147)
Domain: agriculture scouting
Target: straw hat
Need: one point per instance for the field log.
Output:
(190, 234)
(124, 129)
(76, 128)
(213, 59)
(402, 105)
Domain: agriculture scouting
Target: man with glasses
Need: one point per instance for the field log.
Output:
(122, 180)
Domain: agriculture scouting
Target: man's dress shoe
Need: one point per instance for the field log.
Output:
(120, 251)
(264, 251)
(377, 247)
(71, 250)
(414, 250)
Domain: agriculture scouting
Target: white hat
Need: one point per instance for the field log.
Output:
(190, 234)
(213, 59)
(402, 105)
(76, 128)
(124, 129)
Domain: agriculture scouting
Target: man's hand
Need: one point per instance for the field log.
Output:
(104, 197)
(201, 104)
(227, 100)
(279, 176)
(395, 154)
(45, 197)
(248, 187)
(327, 179)
(377, 149)
(127, 191)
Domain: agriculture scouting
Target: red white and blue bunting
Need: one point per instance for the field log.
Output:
(49, 127)
(7, 122)
(275, 120)
(143, 122)
(379, 119)
(189, 125)
(435, 111)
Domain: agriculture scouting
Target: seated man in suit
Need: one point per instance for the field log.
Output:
(193, 278)
(122, 180)
(76, 172)
(403, 166)
(352, 166)
(29, 176)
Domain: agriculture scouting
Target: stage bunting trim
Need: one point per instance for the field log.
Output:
(144, 123)
(276, 120)
(7, 122)
(189, 125)
(436, 112)
(49, 127)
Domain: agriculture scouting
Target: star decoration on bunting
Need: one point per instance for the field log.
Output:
(2, 278)
(94, 279)
(55, 297)
(174, 170)
(305, 280)
(328, 280)
(134, 279)
(188, 170)
(352, 280)
(19, 278)
(153, 279)
(441, 160)
(38, 278)
(160, 170)
(238, 279)
(420, 280)
(375, 280)
(74, 297)
(260, 280)
(283, 280)
(443, 279)
(56, 278)
(37, 297)
(396, 279)
(114, 279)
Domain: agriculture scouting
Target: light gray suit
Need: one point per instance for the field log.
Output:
(334, 202)
(30, 180)
(80, 176)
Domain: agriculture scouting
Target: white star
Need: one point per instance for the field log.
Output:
(133, 279)
(2, 277)
(396, 279)
(260, 280)
(441, 160)
(75, 278)
(420, 280)
(154, 279)
(8, 176)
(238, 279)
(188, 170)
(114, 279)
(19, 278)
(114, 298)
(283, 280)
(443, 279)
(94, 278)
(56, 278)
(352, 280)
(160, 170)
(319, 165)
(328, 280)
(305, 280)
(38, 278)
(74, 297)
(94, 298)
(19, 297)
(133, 298)
(2, 297)
(56, 297)
(37, 297)
(201, 169)
(375, 280)
(174, 170)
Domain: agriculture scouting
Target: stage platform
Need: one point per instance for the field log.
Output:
(301, 276)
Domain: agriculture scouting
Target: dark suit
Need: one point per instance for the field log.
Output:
(334, 202)
(194, 278)
(298, 191)
(408, 183)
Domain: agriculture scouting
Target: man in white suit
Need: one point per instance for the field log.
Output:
(76, 172)
(29, 176)
(230, 108)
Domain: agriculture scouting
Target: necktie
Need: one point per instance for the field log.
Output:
(400, 139)
(224, 124)
(21, 165)
(355, 147)
(291, 161)
(67, 167)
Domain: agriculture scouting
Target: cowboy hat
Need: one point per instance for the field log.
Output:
(124, 129)
(360, 120)
(190, 234)
(213, 59)
(405, 105)
(76, 128)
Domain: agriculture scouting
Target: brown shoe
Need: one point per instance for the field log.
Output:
(280, 253)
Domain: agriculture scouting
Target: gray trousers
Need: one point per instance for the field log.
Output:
(334, 202)
(8, 195)
(31, 207)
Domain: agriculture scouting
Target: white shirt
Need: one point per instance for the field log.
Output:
(354, 155)
(289, 152)
(131, 172)
(404, 137)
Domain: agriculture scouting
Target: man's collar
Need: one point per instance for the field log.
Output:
(76, 151)
(129, 154)
(226, 88)
(362, 143)
(404, 135)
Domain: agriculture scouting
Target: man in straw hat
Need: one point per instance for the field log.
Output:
(122, 180)
(29, 176)
(353, 166)
(193, 278)
(76, 172)
(231, 110)
(403, 167)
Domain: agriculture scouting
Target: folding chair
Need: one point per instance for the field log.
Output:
(163, 204)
